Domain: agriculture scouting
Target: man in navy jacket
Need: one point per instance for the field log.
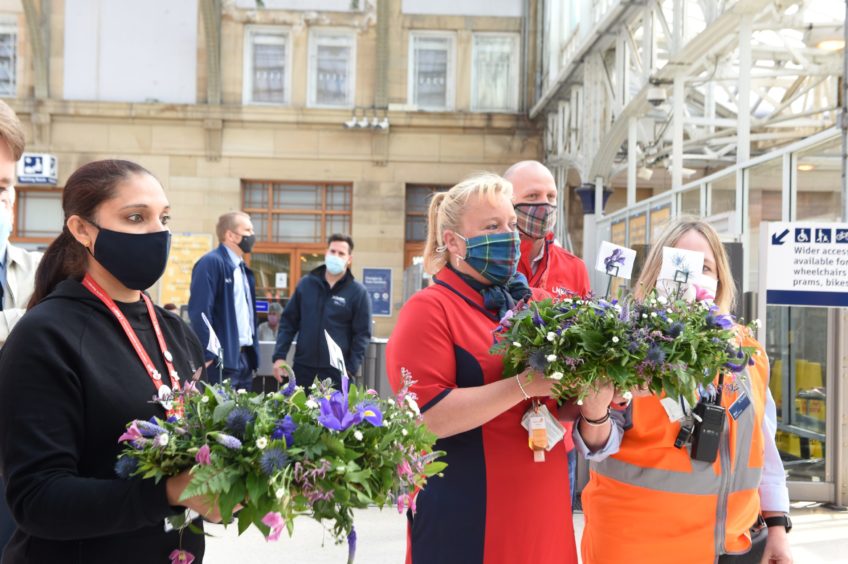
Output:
(224, 290)
(327, 299)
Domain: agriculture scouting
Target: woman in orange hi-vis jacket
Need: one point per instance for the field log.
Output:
(650, 502)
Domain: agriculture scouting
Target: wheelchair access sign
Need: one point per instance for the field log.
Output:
(806, 264)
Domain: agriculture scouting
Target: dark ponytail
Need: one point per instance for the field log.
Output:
(86, 189)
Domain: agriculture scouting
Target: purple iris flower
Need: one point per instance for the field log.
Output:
(537, 319)
(335, 412)
(370, 412)
(285, 428)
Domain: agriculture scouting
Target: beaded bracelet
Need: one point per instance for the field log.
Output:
(520, 387)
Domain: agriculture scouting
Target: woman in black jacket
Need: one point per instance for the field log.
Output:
(89, 356)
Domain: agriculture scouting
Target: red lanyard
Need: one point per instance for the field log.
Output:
(175, 408)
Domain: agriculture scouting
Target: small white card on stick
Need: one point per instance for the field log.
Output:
(615, 260)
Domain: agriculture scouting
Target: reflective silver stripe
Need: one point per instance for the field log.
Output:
(743, 477)
(701, 481)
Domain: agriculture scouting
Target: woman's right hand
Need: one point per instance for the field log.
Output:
(176, 485)
(535, 383)
(596, 403)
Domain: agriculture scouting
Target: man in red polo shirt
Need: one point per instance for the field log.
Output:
(543, 261)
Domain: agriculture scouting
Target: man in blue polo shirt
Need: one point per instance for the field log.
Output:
(223, 290)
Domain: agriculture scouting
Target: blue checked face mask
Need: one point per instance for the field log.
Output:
(494, 256)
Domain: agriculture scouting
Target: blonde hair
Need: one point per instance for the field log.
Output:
(726, 291)
(448, 208)
(11, 131)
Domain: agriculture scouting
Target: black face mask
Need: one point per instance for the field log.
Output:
(137, 260)
(247, 242)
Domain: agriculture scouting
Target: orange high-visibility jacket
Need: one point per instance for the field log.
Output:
(652, 503)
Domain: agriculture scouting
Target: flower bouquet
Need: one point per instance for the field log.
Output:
(665, 345)
(317, 452)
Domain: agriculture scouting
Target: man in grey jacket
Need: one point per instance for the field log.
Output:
(17, 266)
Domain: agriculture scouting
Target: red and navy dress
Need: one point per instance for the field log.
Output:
(494, 505)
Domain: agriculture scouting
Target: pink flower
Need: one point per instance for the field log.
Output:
(404, 469)
(203, 457)
(702, 294)
(181, 557)
(132, 434)
(274, 520)
(371, 392)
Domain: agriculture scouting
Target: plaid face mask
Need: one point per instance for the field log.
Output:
(494, 256)
(535, 220)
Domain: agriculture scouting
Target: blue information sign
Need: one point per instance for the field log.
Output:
(261, 306)
(378, 283)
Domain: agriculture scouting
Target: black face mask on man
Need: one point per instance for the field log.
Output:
(137, 260)
(246, 243)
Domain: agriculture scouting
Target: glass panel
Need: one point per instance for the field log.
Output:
(764, 196)
(260, 226)
(430, 72)
(41, 214)
(494, 83)
(337, 224)
(269, 68)
(338, 198)
(723, 195)
(255, 195)
(797, 349)
(309, 262)
(297, 197)
(690, 202)
(332, 66)
(818, 181)
(416, 228)
(418, 198)
(266, 266)
(296, 229)
(8, 63)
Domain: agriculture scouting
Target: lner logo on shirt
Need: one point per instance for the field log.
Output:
(339, 300)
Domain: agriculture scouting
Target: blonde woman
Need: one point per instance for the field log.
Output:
(650, 502)
(494, 504)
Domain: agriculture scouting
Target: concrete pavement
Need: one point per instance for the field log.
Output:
(820, 536)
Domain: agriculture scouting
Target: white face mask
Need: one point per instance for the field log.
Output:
(702, 288)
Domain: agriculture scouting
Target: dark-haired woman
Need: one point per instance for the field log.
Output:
(87, 358)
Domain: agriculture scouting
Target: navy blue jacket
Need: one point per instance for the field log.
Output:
(212, 294)
(344, 311)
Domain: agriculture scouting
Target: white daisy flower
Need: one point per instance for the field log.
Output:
(615, 339)
(516, 344)
(261, 443)
(644, 316)
(663, 300)
(241, 391)
(357, 435)
(311, 404)
(404, 432)
(162, 439)
(653, 314)
(204, 399)
(551, 336)
(280, 493)
(551, 357)
(556, 376)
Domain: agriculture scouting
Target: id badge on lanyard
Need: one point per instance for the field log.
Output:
(173, 407)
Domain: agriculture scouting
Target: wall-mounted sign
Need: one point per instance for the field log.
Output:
(38, 168)
(378, 282)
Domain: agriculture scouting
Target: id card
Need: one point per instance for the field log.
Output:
(554, 431)
(738, 407)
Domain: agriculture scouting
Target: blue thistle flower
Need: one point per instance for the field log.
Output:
(238, 420)
(125, 467)
(273, 460)
(675, 329)
(655, 354)
(537, 360)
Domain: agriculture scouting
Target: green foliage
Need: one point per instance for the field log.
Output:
(323, 473)
(669, 346)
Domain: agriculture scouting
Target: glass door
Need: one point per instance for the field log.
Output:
(273, 273)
